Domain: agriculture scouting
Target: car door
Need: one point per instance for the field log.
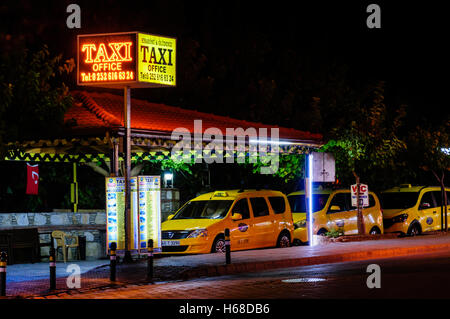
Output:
(439, 201)
(241, 232)
(429, 214)
(370, 214)
(338, 215)
(278, 205)
(263, 225)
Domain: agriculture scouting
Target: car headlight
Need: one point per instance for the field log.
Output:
(300, 224)
(400, 218)
(198, 233)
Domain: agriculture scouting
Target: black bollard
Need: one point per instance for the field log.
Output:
(227, 247)
(3, 260)
(52, 264)
(112, 260)
(150, 260)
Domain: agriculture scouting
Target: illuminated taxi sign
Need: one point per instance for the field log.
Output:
(156, 58)
(126, 59)
(220, 194)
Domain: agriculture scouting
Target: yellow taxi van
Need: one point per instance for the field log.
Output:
(412, 210)
(333, 211)
(256, 219)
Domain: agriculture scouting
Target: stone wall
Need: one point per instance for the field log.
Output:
(88, 223)
(91, 224)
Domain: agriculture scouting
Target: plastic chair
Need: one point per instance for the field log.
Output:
(61, 241)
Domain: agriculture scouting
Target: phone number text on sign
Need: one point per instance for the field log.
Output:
(107, 76)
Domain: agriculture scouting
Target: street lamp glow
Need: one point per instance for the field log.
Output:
(310, 206)
(168, 179)
(257, 141)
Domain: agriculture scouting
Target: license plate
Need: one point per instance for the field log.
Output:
(170, 243)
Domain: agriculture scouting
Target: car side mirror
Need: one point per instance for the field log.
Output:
(170, 216)
(425, 205)
(236, 216)
(335, 208)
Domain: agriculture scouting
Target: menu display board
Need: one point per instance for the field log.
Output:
(115, 212)
(150, 212)
(134, 238)
(145, 221)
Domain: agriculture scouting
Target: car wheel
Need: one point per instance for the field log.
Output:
(322, 232)
(414, 230)
(284, 240)
(375, 231)
(218, 245)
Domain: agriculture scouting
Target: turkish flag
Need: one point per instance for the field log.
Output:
(32, 179)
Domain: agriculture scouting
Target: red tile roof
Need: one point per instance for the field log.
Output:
(95, 110)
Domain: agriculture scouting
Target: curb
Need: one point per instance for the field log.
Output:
(236, 268)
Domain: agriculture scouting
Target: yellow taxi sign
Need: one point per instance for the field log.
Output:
(156, 59)
(220, 194)
(134, 59)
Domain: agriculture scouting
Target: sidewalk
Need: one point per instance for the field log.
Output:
(33, 279)
(187, 267)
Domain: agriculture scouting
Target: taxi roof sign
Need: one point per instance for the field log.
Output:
(220, 194)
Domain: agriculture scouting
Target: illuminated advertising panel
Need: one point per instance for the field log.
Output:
(133, 59)
(134, 238)
(149, 212)
(115, 212)
(107, 59)
(156, 56)
(145, 213)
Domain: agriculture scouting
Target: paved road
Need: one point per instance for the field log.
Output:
(421, 276)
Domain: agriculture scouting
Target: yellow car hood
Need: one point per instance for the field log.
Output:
(298, 216)
(188, 224)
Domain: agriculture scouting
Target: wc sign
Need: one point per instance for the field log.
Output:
(363, 195)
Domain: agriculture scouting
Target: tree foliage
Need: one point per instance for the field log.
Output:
(33, 97)
(428, 149)
(367, 141)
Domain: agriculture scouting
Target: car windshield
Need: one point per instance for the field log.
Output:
(297, 202)
(398, 200)
(207, 209)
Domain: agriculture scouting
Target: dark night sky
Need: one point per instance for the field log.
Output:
(410, 52)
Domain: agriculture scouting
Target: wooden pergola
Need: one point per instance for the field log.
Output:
(95, 133)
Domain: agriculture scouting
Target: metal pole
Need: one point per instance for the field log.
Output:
(227, 247)
(308, 197)
(127, 173)
(360, 218)
(75, 202)
(52, 265)
(3, 260)
(444, 198)
(116, 159)
(150, 260)
(443, 213)
(112, 261)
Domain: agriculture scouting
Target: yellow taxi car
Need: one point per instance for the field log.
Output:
(412, 210)
(333, 211)
(255, 218)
